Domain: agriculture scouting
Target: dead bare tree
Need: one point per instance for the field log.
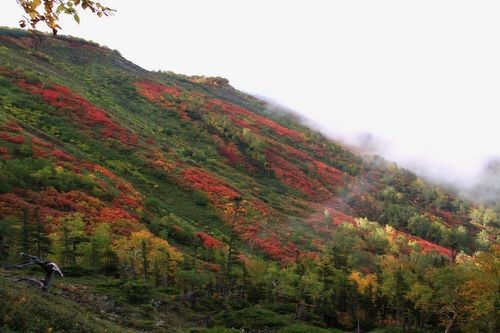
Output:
(50, 268)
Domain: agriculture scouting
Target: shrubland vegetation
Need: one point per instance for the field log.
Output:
(156, 191)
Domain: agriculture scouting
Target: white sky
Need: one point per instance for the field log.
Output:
(422, 76)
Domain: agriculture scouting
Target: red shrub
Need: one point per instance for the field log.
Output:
(234, 111)
(208, 183)
(62, 156)
(113, 214)
(270, 245)
(289, 151)
(39, 152)
(427, 246)
(309, 255)
(125, 227)
(81, 111)
(260, 207)
(212, 267)
(124, 200)
(449, 218)
(54, 203)
(18, 139)
(327, 174)
(39, 142)
(23, 42)
(231, 152)
(118, 182)
(12, 204)
(210, 242)
(339, 217)
(292, 176)
(12, 126)
(155, 92)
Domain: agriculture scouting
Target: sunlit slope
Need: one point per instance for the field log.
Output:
(84, 131)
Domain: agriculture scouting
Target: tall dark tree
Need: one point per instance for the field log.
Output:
(39, 235)
(26, 232)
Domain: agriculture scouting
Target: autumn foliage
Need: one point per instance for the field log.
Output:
(80, 111)
(17, 139)
(209, 242)
(216, 190)
(158, 93)
(258, 121)
(292, 176)
(212, 201)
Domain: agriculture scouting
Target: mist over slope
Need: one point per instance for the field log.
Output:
(211, 198)
(476, 180)
(486, 190)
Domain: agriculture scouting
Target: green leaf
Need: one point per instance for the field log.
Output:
(77, 18)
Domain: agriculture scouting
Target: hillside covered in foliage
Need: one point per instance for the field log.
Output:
(156, 191)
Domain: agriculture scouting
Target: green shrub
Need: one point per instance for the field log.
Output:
(216, 330)
(77, 271)
(27, 309)
(136, 292)
(304, 328)
(252, 318)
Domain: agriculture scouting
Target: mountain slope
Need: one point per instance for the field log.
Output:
(100, 157)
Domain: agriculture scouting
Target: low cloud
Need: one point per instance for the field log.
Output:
(486, 189)
(448, 160)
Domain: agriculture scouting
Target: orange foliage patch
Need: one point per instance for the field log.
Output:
(234, 111)
(208, 183)
(11, 126)
(322, 224)
(156, 93)
(112, 214)
(270, 245)
(231, 152)
(128, 190)
(63, 156)
(427, 246)
(327, 174)
(18, 139)
(12, 204)
(211, 267)
(209, 242)
(292, 176)
(449, 218)
(79, 110)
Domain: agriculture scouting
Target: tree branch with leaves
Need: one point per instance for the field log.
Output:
(49, 11)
